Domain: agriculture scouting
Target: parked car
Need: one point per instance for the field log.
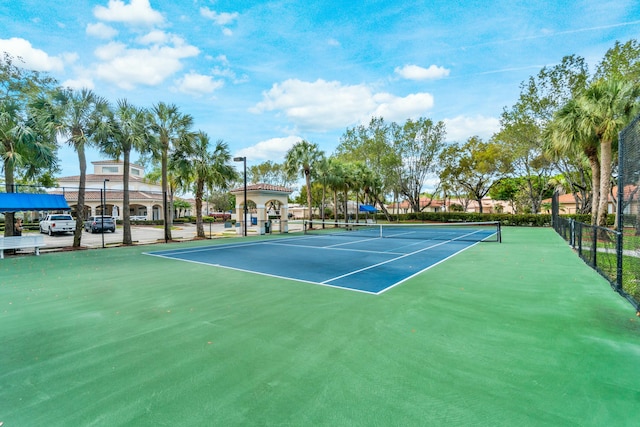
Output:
(95, 225)
(57, 224)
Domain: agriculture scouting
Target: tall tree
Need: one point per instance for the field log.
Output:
(335, 171)
(621, 62)
(205, 169)
(83, 120)
(608, 106)
(523, 126)
(523, 147)
(418, 143)
(567, 137)
(475, 166)
(128, 133)
(373, 144)
(302, 159)
(169, 128)
(322, 175)
(27, 142)
(269, 173)
(349, 183)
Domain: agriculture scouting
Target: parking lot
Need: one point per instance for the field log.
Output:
(140, 234)
(147, 234)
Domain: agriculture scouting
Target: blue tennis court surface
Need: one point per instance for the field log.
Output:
(366, 264)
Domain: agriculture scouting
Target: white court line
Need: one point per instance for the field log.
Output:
(397, 258)
(168, 254)
(333, 248)
(264, 274)
(424, 269)
(218, 247)
(384, 262)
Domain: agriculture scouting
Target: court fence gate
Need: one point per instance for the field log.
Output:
(615, 254)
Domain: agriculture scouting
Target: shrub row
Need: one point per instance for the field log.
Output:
(527, 220)
(506, 219)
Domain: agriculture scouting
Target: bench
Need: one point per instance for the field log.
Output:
(21, 242)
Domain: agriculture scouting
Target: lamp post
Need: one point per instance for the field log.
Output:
(244, 220)
(104, 206)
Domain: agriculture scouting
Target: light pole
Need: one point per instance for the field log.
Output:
(104, 206)
(244, 220)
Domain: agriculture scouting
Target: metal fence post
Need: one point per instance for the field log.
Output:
(594, 246)
(572, 231)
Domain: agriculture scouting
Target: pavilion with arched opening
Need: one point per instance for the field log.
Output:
(268, 198)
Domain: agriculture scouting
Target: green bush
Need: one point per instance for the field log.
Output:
(528, 220)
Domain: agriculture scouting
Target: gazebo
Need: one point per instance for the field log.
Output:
(261, 195)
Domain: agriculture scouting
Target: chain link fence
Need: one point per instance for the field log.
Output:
(628, 218)
(615, 254)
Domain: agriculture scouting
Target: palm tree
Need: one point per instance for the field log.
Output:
(567, 136)
(205, 169)
(608, 106)
(129, 132)
(83, 119)
(302, 158)
(335, 181)
(349, 183)
(27, 140)
(322, 173)
(169, 128)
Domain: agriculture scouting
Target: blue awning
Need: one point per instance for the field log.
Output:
(368, 209)
(17, 202)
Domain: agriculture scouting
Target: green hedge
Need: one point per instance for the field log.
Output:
(528, 220)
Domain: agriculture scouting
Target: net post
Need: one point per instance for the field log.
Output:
(499, 232)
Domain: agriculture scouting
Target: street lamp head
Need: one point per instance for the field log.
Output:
(239, 159)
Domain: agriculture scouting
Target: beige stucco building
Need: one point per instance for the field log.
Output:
(270, 201)
(145, 197)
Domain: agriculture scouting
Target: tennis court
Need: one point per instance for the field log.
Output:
(519, 333)
(369, 258)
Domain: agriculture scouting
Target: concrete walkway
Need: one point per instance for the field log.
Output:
(145, 234)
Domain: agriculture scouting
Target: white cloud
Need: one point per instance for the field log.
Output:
(70, 57)
(415, 72)
(197, 84)
(128, 67)
(35, 59)
(461, 128)
(397, 109)
(322, 105)
(79, 83)
(274, 148)
(223, 18)
(153, 37)
(111, 50)
(227, 32)
(137, 12)
(223, 59)
(101, 31)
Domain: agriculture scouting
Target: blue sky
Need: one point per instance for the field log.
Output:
(263, 75)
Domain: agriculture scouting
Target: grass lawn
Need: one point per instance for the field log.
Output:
(518, 333)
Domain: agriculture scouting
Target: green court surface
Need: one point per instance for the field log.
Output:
(519, 333)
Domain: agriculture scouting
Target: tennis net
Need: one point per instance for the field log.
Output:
(465, 231)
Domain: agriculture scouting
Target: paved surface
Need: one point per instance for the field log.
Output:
(143, 234)
(140, 234)
(162, 343)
